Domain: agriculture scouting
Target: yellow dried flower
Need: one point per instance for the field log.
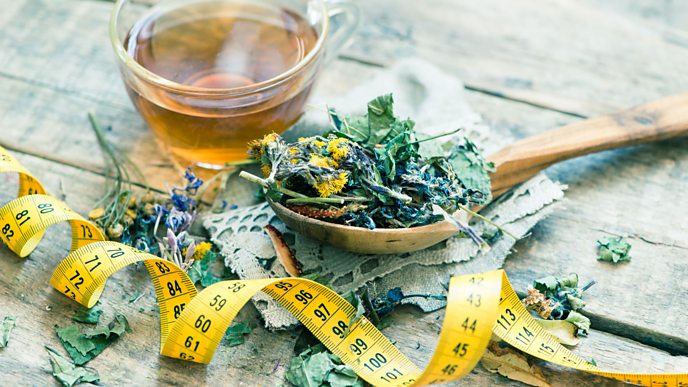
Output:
(313, 140)
(255, 147)
(338, 148)
(96, 213)
(201, 250)
(269, 138)
(320, 161)
(332, 185)
(266, 169)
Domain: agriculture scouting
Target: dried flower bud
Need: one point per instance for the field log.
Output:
(96, 213)
(149, 209)
(148, 198)
(115, 231)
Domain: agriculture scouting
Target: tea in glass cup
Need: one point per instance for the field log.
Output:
(210, 75)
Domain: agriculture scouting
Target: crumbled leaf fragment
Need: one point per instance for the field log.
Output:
(67, 373)
(317, 367)
(82, 347)
(354, 300)
(6, 329)
(235, 334)
(88, 316)
(553, 297)
(201, 271)
(564, 331)
(582, 322)
(546, 283)
(317, 277)
(472, 169)
(613, 249)
(512, 364)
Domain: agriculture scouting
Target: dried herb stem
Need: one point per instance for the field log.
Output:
(253, 178)
(119, 193)
(315, 201)
(488, 221)
(436, 137)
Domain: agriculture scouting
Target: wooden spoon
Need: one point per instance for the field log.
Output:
(655, 121)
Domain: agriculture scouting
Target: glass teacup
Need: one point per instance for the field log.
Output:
(210, 75)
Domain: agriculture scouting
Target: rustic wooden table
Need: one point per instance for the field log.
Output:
(528, 66)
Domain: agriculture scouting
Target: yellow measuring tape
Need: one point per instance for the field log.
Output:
(192, 324)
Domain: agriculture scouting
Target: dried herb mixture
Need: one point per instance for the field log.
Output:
(369, 171)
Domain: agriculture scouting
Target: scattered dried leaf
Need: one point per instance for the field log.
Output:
(563, 330)
(613, 249)
(6, 329)
(317, 367)
(67, 373)
(82, 347)
(88, 316)
(512, 364)
(235, 334)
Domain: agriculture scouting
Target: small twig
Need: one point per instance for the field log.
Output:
(253, 178)
(488, 221)
(588, 286)
(436, 136)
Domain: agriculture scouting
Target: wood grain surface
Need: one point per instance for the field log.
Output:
(528, 66)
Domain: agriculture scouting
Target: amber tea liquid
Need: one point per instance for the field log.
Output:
(219, 45)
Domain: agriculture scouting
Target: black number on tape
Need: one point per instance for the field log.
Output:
(202, 323)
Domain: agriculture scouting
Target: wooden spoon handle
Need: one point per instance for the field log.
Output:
(654, 121)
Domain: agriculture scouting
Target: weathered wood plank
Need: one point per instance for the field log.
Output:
(261, 360)
(485, 58)
(25, 293)
(663, 13)
(488, 49)
(568, 55)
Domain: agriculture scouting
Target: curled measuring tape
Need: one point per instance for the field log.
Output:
(192, 324)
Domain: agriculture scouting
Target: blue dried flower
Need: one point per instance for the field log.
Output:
(193, 182)
(395, 295)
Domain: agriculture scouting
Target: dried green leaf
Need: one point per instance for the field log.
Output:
(235, 334)
(354, 128)
(582, 322)
(569, 281)
(67, 373)
(575, 302)
(564, 331)
(380, 118)
(317, 277)
(317, 367)
(354, 300)
(561, 295)
(472, 169)
(613, 249)
(82, 347)
(201, 271)
(88, 316)
(547, 283)
(6, 329)
(512, 364)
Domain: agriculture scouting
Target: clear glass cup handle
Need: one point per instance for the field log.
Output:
(341, 32)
